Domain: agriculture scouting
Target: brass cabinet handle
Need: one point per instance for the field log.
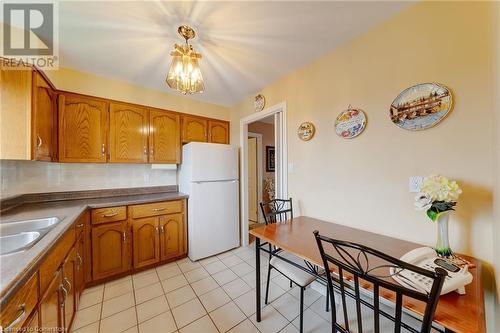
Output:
(79, 225)
(162, 228)
(159, 209)
(80, 260)
(145, 150)
(65, 280)
(110, 214)
(157, 230)
(39, 141)
(151, 152)
(103, 149)
(124, 236)
(18, 319)
(65, 295)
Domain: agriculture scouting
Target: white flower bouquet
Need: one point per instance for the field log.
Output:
(438, 196)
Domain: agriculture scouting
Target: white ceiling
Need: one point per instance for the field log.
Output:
(245, 45)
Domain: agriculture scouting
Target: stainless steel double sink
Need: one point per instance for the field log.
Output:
(18, 236)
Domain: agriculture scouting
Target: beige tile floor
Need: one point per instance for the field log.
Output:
(216, 294)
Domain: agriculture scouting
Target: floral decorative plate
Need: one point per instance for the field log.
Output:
(350, 123)
(306, 131)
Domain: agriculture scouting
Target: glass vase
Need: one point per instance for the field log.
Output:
(443, 244)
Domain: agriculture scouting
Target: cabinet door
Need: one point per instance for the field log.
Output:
(110, 253)
(194, 129)
(165, 137)
(79, 269)
(51, 318)
(44, 140)
(15, 112)
(68, 283)
(172, 236)
(83, 123)
(33, 323)
(218, 131)
(146, 241)
(128, 133)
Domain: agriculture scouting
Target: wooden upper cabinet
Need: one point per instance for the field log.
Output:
(44, 120)
(15, 114)
(128, 133)
(194, 129)
(218, 131)
(164, 137)
(83, 123)
(110, 250)
(146, 241)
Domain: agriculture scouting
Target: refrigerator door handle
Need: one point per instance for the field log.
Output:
(215, 181)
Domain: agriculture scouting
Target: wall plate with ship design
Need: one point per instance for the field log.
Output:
(421, 106)
(306, 131)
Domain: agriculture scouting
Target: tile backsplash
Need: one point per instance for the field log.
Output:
(19, 177)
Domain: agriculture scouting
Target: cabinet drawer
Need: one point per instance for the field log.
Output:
(18, 309)
(154, 209)
(111, 214)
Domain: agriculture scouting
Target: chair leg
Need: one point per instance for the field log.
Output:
(267, 282)
(327, 301)
(301, 309)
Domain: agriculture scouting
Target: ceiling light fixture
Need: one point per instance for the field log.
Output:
(184, 73)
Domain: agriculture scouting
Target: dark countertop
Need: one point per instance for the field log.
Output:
(13, 267)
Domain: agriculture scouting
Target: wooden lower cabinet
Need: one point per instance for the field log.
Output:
(51, 306)
(33, 322)
(110, 250)
(172, 236)
(68, 283)
(15, 313)
(146, 241)
(79, 268)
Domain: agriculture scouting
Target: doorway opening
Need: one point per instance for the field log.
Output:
(263, 164)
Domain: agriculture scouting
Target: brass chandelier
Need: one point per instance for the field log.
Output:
(184, 73)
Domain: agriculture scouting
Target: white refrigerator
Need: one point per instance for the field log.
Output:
(209, 175)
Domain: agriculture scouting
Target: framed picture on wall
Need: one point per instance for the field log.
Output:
(270, 159)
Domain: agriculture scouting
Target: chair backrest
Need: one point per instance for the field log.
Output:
(347, 263)
(277, 210)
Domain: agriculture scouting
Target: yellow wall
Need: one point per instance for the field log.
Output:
(496, 234)
(86, 83)
(363, 182)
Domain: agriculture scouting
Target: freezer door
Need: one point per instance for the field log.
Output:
(212, 162)
(213, 225)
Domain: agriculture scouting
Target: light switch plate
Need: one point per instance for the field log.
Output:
(415, 183)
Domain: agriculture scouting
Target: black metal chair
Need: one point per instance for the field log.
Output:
(353, 262)
(276, 211)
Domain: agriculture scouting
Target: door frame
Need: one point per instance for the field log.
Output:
(259, 172)
(281, 144)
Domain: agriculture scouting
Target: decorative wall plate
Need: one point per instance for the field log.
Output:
(306, 131)
(421, 106)
(350, 123)
(260, 102)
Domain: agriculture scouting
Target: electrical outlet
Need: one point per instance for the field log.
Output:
(415, 183)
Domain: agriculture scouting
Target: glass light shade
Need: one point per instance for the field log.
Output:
(184, 73)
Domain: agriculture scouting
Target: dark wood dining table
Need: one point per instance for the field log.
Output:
(456, 313)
